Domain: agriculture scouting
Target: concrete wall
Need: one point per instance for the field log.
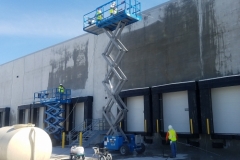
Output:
(183, 40)
(178, 41)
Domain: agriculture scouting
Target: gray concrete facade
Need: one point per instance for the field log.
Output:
(178, 41)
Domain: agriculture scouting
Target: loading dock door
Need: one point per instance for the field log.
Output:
(226, 109)
(79, 116)
(135, 114)
(27, 116)
(41, 117)
(175, 111)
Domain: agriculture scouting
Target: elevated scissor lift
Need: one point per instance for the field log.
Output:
(126, 13)
(53, 100)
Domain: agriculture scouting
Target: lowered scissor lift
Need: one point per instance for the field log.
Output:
(53, 100)
(126, 13)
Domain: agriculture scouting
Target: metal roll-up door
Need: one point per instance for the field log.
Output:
(135, 114)
(27, 115)
(79, 116)
(175, 111)
(226, 109)
(35, 116)
(41, 117)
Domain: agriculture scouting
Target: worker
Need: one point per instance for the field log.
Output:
(172, 137)
(90, 21)
(99, 14)
(113, 8)
(61, 91)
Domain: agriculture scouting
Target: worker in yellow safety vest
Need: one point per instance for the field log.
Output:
(99, 14)
(113, 8)
(172, 137)
(61, 91)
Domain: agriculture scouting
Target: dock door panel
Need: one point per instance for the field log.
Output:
(176, 111)
(41, 117)
(24, 114)
(138, 118)
(220, 106)
(79, 116)
(176, 104)
(77, 111)
(135, 114)
(226, 109)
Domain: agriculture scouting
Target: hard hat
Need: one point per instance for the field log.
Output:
(170, 127)
(61, 84)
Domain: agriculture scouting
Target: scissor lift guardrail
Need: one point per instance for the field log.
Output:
(127, 11)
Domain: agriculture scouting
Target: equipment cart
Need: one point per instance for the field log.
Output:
(77, 152)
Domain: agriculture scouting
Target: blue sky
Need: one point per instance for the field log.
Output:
(27, 26)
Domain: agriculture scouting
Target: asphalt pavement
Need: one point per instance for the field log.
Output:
(152, 152)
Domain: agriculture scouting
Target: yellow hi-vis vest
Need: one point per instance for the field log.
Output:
(172, 135)
(60, 89)
(111, 11)
(99, 15)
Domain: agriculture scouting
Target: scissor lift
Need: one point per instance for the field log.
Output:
(127, 12)
(53, 100)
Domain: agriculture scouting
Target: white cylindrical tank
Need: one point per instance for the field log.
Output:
(24, 142)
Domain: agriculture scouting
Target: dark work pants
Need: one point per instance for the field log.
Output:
(173, 148)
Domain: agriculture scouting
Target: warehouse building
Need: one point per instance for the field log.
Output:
(182, 68)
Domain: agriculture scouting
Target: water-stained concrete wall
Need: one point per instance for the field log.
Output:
(66, 63)
(166, 48)
(181, 40)
(220, 37)
(69, 66)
